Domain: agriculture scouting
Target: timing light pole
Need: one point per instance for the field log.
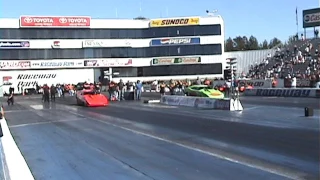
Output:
(232, 62)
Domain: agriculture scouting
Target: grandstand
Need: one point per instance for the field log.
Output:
(299, 59)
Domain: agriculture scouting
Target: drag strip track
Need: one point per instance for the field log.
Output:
(65, 141)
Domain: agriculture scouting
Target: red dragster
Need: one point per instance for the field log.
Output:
(89, 97)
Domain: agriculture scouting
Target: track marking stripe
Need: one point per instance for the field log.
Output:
(42, 123)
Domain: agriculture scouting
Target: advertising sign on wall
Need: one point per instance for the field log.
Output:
(15, 64)
(104, 43)
(256, 83)
(311, 17)
(174, 41)
(300, 83)
(56, 64)
(174, 22)
(64, 63)
(55, 21)
(108, 63)
(30, 78)
(14, 44)
(183, 60)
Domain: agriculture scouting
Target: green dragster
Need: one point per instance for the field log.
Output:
(204, 91)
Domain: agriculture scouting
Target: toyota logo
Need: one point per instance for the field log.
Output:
(63, 20)
(28, 20)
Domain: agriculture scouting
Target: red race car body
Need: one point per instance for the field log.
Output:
(91, 98)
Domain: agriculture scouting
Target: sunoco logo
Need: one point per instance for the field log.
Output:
(311, 18)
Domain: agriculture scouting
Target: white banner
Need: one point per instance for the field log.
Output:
(56, 64)
(108, 62)
(15, 64)
(105, 43)
(30, 78)
(197, 102)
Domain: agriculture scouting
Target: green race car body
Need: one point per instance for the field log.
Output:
(204, 91)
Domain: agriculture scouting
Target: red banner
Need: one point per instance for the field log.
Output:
(15, 64)
(55, 21)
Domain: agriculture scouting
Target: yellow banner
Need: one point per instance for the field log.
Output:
(174, 22)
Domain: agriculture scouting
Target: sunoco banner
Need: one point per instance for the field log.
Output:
(183, 60)
(14, 44)
(311, 17)
(174, 22)
(174, 41)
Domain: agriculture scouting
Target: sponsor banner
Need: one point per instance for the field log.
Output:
(15, 64)
(56, 64)
(14, 44)
(256, 83)
(301, 83)
(311, 17)
(174, 41)
(90, 63)
(197, 102)
(105, 43)
(7, 80)
(183, 60)
(22, 79)
(281, 92)
(108, 63)
(55, 21)
(55, 44)
(178, 101)
(174, 22)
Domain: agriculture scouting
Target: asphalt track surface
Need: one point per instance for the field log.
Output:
(132, 140)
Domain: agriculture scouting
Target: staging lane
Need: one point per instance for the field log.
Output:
(142, 118)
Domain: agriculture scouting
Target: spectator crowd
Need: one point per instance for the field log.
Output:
(299, 61)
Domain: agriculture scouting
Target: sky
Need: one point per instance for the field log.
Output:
(265, 19)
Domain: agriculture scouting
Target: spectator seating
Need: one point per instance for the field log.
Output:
(300, 59)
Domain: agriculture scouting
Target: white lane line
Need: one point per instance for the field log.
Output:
(25, 110)
(42, 123)
(295, 176)
(251, 108)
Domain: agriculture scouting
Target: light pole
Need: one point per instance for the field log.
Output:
(211, 13)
